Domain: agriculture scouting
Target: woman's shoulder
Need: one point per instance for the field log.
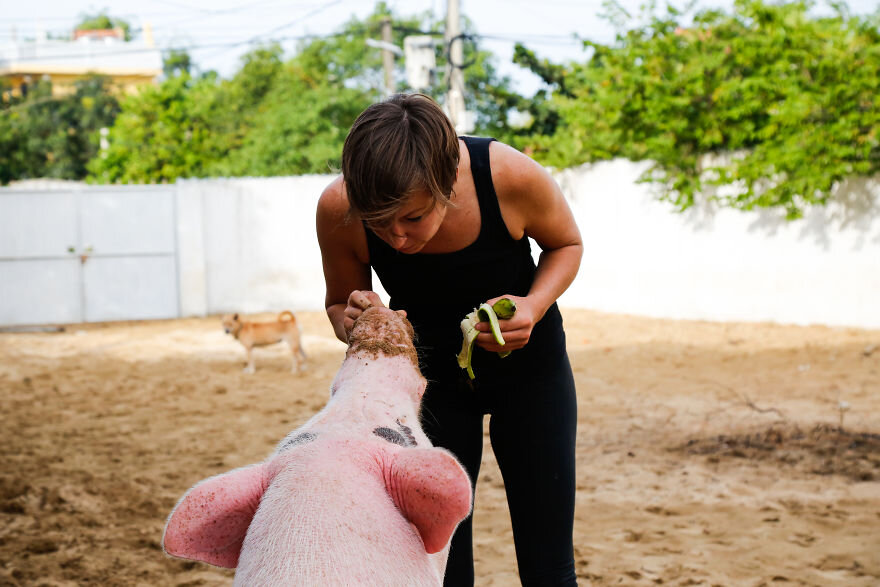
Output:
(339, 233)
(334, 211)
(514, 172)
(334, 193)
(333, 203)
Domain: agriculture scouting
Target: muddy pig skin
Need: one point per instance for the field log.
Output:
(356, 496)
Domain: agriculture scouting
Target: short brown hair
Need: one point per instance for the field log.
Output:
(395, 147)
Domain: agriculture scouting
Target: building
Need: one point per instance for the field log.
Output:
(102, 52)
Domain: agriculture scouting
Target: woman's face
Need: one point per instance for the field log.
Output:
(416, 223)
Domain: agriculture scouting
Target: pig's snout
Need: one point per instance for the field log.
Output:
(381, 331)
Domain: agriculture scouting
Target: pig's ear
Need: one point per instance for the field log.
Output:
(432, 490)
(210, 522)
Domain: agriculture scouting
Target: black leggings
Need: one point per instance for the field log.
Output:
(532, 426)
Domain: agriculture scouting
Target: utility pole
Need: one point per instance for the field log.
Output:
(387, 56)
(389, 50)
(455, 75)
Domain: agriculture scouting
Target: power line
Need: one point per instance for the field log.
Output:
(184, 6)
(195, 47)
(537, 39)
(177, 18)
(225, 11)
(321, 8)
(222, 46)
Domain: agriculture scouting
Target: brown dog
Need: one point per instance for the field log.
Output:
(253, 334)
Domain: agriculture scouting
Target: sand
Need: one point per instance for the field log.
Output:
(708, 453)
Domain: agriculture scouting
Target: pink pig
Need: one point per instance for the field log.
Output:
(356, 496)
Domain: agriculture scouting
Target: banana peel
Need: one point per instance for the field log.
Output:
(504, 309)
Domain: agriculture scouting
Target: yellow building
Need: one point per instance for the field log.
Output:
(102, 52)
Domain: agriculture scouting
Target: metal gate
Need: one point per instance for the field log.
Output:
(90, 254)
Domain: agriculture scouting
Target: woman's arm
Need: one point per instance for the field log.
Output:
(344, 255)
(533, 205)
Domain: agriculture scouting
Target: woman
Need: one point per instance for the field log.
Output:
(444, 222)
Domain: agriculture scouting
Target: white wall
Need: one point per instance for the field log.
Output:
(257, 251)
(641, 257)
(249, 245)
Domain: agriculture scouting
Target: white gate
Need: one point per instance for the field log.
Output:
(89, 254)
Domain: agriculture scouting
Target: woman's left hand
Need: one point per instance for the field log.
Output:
(516, 331)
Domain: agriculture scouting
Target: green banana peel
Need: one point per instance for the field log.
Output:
(504, 309)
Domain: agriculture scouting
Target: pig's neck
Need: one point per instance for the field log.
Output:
(377, 386)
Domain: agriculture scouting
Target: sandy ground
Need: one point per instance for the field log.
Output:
(708, 454)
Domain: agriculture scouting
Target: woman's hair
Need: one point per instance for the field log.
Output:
(394, 148)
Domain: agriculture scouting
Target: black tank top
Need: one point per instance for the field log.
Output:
(438, 290)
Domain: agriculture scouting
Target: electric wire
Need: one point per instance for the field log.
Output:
(541, 40)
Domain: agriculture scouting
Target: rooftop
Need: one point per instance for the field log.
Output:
(96, 52)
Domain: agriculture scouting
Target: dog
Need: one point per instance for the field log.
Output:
(253, 334)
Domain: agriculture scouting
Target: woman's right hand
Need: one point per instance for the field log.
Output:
(358, 301)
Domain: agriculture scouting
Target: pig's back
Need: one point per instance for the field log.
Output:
(327, 519)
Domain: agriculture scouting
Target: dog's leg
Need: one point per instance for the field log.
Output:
(297, 354)
(250, 357)
(294, 365)
(302, 357)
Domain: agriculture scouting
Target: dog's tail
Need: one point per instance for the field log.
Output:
(286, 315)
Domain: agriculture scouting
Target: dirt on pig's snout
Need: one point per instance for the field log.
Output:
(382, 332)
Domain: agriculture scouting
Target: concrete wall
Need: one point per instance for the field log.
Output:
(249, 245)
(722, 264)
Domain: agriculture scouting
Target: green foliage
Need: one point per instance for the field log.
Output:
(103, 21)
(46, 136)
(162, 133)
(788, 105)
(275, 117)
(176, 62)
(300, 129)
(764, 107)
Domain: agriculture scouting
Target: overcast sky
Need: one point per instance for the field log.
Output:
(221, 30)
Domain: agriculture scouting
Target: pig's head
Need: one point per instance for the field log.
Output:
(379, 331)
(428, 486)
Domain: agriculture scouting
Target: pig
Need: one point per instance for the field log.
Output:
(356, 496)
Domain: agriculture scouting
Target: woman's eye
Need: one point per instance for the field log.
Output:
(414, 219)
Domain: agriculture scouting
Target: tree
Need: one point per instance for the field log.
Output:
(161, 133)
(186, 127)
(785, 105)
(273, 117)
(302, 122)
(103, 21)
(46, 136)
(176, 62)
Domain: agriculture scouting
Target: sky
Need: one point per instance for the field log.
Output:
(218, 32)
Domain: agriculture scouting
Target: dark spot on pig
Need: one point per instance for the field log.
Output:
(390, 435)
(407, 431)
(296, 440)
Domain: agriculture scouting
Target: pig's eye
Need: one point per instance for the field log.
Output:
(390, 435)
(296, 440)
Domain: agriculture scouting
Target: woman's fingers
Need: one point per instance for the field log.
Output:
(513, 340)
(516, 330)
(359, 299)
